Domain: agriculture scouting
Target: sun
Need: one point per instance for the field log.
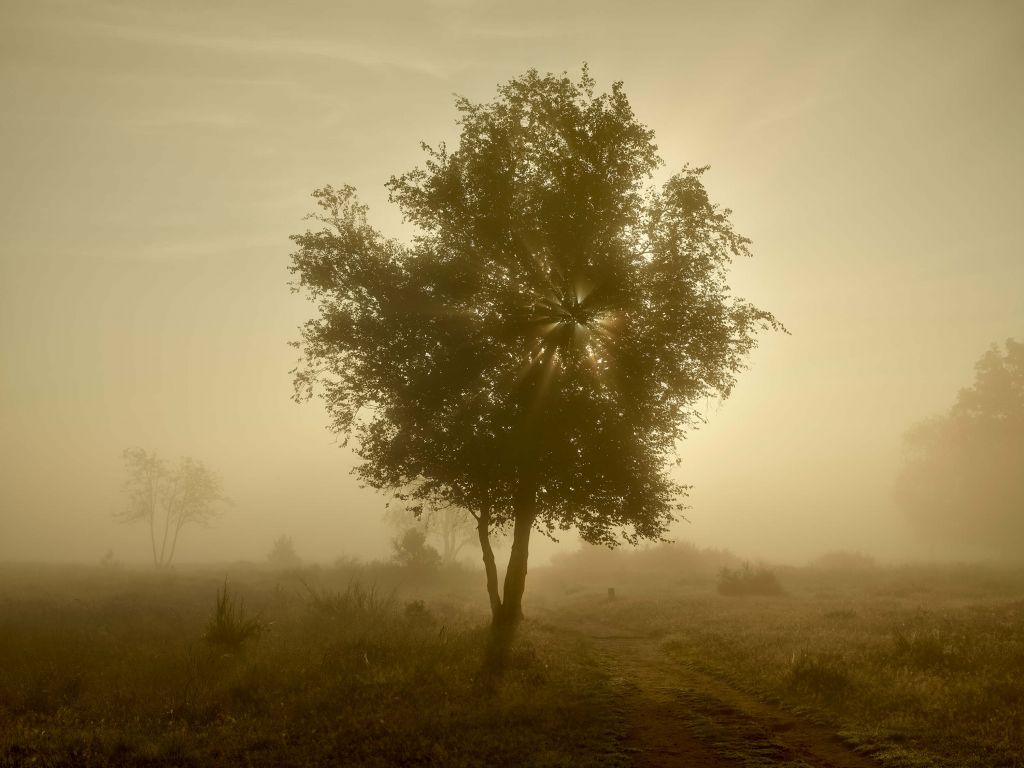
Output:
(568, 327)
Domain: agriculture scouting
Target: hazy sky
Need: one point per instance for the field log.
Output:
(156, 156)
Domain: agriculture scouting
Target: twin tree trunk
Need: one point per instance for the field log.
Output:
(507, 606)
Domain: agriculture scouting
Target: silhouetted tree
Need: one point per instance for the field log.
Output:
(537, 351)
(412, 550)
(283, 554)
(168, 498)
(962, 481)
(453, 528)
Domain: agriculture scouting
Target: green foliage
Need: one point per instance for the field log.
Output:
(736, 582)
(961, 482)
(230, 626)
(538, 350)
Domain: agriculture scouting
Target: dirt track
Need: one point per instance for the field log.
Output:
(677, 716)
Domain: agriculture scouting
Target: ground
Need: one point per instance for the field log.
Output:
(679, 717)
(374, 665)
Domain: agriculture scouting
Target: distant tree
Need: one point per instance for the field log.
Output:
(453, 528)
(168, 498)
(109, 562)
(538, 350)
(962, 482)
(283, 554)
(413, 551)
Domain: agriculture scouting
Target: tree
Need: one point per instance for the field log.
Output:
(283, 554)
(412, 551)
(168, 498)
(451, 526)
(537, 351)
(962, 481)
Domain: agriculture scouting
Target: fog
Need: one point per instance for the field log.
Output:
(156, 160)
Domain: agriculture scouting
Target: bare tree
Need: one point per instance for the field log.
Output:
(168, 498)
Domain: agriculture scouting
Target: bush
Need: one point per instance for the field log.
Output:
(412, 551)
(736, 582)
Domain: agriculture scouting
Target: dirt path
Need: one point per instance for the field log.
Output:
(677, 716)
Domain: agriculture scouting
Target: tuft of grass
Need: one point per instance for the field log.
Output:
(230, 626)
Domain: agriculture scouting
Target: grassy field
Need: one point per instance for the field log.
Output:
(375, 665)
(916, 666)
(118, 668)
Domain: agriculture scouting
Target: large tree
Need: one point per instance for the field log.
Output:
(962, 482)
(537, 351)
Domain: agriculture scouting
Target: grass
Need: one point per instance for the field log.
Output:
(135, 669)
(230, 626)
(916, 666)
(365, 665)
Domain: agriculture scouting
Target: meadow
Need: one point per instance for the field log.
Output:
(240, 666)
(379, 665)
(914, 665)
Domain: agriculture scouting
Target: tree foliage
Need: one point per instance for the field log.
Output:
(962, 482)
(168, 498)
(537, 351)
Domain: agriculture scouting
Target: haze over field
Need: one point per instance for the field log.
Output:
(156, 160)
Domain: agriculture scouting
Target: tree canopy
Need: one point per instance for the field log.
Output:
(962, 481)
(539, 348)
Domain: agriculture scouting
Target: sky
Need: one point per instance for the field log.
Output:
(156, 157)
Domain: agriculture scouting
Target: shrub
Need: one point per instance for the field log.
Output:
(412, 551)
(735, 582)
(230, 627)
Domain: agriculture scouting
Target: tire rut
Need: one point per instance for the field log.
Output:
(678, 716)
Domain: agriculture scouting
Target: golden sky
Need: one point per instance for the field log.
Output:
(157, 155)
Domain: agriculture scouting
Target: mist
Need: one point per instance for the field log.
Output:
(157, 160)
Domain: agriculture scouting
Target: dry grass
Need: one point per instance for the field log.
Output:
(918, 666)
(119, 669)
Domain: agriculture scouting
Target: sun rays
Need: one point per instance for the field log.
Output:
(570, 330)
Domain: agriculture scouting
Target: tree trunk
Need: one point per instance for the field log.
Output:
(152, 536)
(515, 576)
(483, 525)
